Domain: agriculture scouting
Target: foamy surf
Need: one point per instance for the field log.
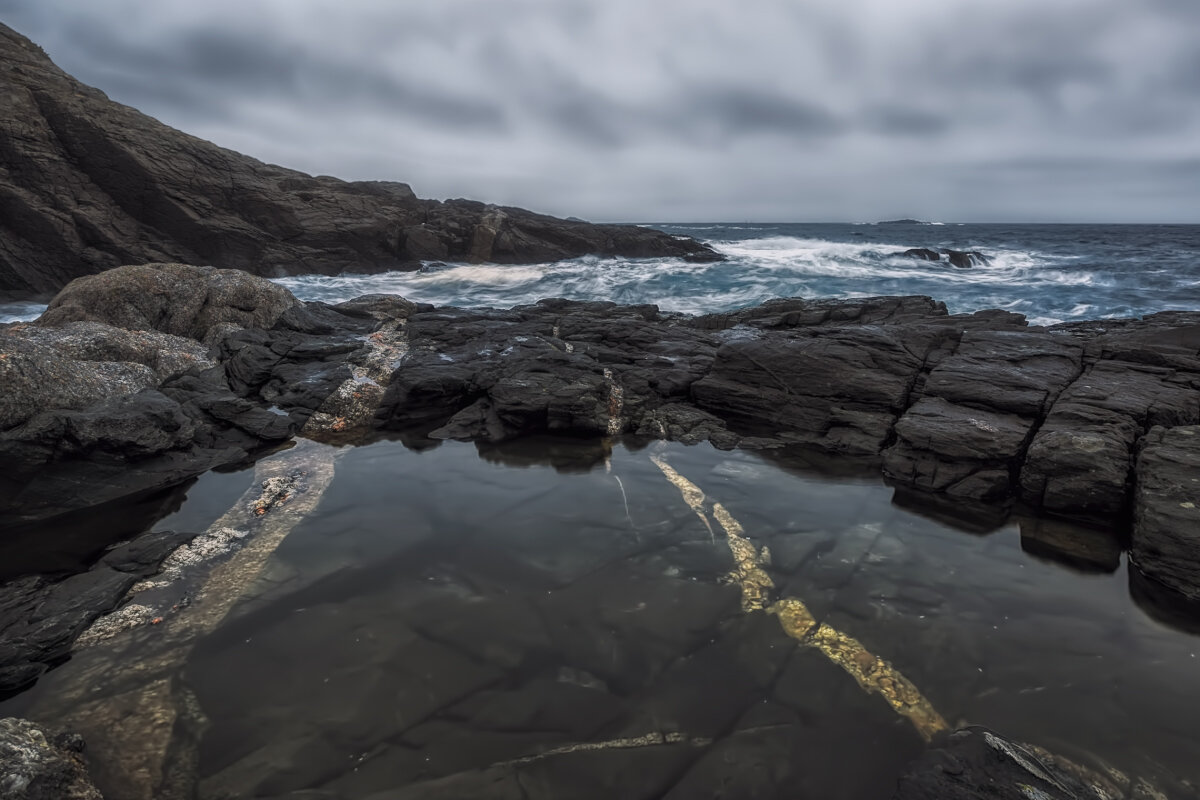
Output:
(1049, 273)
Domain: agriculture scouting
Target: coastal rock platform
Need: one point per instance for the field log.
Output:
(129, 383)
(138, 379)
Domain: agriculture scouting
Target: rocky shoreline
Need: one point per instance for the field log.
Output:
(143, 377)
(139, 378)
(89, 184)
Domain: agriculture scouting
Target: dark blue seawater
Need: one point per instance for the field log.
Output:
(1050, 273)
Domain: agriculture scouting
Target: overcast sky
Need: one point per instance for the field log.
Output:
(673, 110)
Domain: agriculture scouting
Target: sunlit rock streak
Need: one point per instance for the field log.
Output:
(872, 673)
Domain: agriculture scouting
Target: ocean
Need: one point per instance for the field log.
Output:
(1049, 273)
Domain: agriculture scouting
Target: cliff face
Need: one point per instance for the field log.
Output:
(87, 184)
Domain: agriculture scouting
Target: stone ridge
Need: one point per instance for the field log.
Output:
(972, 408)
(87, 184)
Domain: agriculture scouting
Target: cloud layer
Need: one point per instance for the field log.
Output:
(1037, 110)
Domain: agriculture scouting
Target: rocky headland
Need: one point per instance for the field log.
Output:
(87, 184)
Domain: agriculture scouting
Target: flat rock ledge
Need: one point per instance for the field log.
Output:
(144, 376)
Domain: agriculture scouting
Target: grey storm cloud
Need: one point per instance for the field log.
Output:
(679, 109)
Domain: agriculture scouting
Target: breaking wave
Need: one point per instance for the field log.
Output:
(1048, 273)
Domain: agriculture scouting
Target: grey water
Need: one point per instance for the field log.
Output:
(468, 620)
(1050, 273)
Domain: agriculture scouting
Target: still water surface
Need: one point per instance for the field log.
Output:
(552, 619)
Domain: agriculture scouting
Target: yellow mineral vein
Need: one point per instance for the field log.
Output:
(871, 672)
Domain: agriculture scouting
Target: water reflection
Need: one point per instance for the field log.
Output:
(444, 625)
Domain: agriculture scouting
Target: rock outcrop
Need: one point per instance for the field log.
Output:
(963, 259)
(39, 765)
(977, 408)
(87, 184)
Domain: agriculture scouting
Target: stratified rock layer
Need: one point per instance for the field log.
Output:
(87, 184)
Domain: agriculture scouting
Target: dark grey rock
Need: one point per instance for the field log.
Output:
(1080, 462)
(1166, 511)
(839, 389)
(965, 259)
(923, 254)
(978, 764)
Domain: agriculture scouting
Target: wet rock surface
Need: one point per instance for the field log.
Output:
(980, 407)
(36, 764)
(41, 617)
(1166, 521)
(89, 184)
(975, 763)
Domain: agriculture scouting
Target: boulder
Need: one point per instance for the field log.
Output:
(922, 254)
(839, 389)
(965, 259)
(177, 299)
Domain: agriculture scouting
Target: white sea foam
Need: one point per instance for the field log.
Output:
(1048, 287)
